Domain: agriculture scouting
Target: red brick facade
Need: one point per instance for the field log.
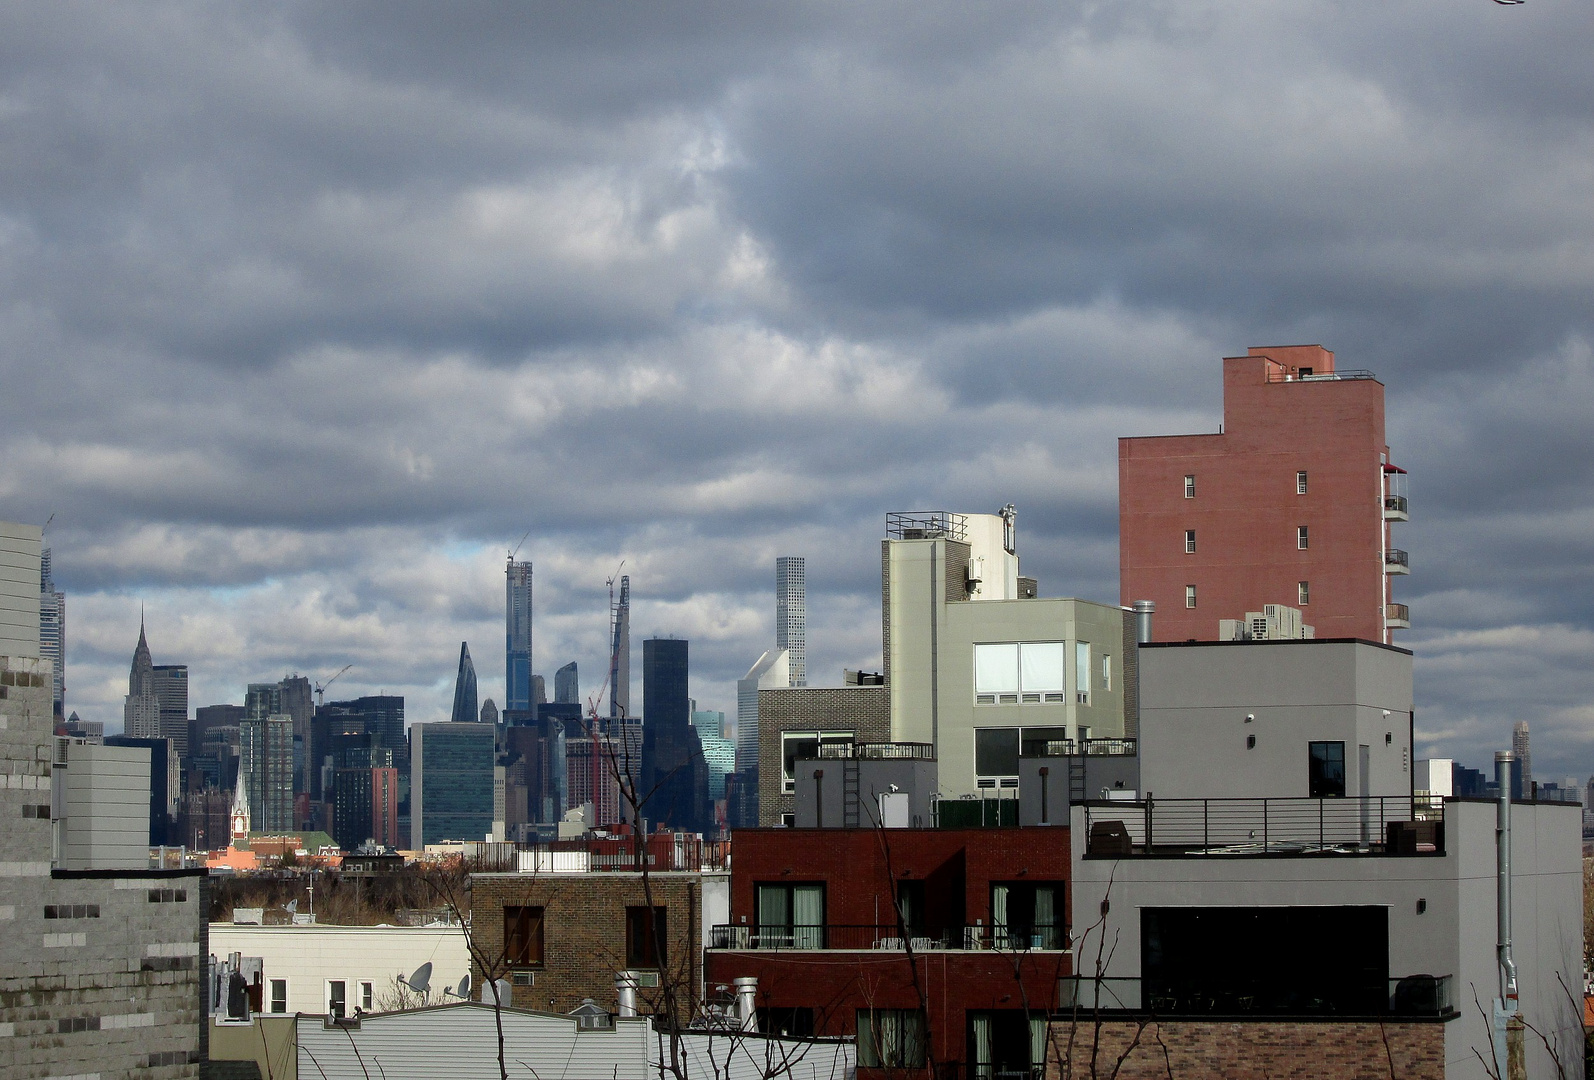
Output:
(857, 866)
(1256, 1050)
(1245, 511)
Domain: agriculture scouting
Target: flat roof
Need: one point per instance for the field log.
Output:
(1276, 641)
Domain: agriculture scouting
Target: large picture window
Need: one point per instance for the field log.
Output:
(523, 936)
(1031, 672)
(891, 1038)
(1025, 915)
(1326, 770)
(790, 916)
(996, 751)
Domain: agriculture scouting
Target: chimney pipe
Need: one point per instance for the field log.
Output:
(625, 984)
(747, 1001)
(1144, 609)
(1503, 761)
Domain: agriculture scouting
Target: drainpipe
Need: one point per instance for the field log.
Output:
(625, 984)
(747, 1001)
(1509, 1052)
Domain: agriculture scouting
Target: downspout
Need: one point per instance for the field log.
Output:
(1503, 761)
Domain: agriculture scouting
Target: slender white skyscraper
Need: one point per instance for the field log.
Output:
(1521, 745)
(517, 635)
(52, 629)
(620, 651)
(791, 615)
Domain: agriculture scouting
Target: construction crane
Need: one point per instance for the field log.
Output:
(321, 687)
(516, 550)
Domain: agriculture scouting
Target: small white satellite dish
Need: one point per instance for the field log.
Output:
(421, 981)
(464, 988)
(293, 906)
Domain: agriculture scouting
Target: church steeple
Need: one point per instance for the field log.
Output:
(240, 813)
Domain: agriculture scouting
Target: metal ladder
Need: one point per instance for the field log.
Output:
(1076, 779)
(849, 793)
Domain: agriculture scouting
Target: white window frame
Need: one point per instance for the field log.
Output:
(326, 996)
(1189, 541)
(274, 1001)
(1303, 593)
(788, 783)
(1302, 538)
(1020, 672)
(1300, 481)
(1189, 485)
(367, 995)
(1189, 596)
(1106, 671)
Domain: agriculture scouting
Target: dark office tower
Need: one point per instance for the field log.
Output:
(264, 699)
(451, 783)
(465, 689)
(673, 766)
(567, 685)
(209, 717)
(265, 766)
(298, 701)
(620, 652)
(791, 615)
(489, 713)
(383, 716)
(52, 629)
(517, 635)
(171, 693)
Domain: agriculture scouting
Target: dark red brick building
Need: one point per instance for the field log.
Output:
(1289, 503)
(937, 947)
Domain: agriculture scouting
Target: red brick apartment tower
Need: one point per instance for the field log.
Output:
(1289, 503)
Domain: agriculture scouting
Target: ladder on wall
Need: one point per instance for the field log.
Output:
(1076, 779)
(849, 793)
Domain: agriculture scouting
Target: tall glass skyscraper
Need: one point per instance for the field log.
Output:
(465, 689)
(52, 629)
(451, 783)
(567, 685)
(517, 635)
(620, 652)
(791, 615)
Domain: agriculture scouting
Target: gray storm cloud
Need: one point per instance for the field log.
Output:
(308, 312)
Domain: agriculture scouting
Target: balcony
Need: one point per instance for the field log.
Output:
(1411, 997)
(1397, 617)
(1182, 828)
(1395, 508)
(888, 938)
(1277, 373)
(1050, 748)
(1396, 562)
(902, 751)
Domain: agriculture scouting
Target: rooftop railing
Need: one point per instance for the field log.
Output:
(1079, 748)
(878, 751)
(1409, 996)
(889, 938)
(927, 525)
(1279, 375)
(1395, 825)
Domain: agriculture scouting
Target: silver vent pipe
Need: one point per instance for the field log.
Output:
(625, 984)
(1503, 762)
(747, 1002)
(1144, 609)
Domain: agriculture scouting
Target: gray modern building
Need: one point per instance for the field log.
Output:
(52, 629)
(100, 965)
(620, 651)
(567, 685)
(791, 615)
(265, 762)
(465, 710)
(451, 783)
(517, 635)
(171, 692)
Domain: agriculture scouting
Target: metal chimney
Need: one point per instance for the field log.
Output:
(1144, 609)
(1503, 761)
(625, 984)
(747, 1001)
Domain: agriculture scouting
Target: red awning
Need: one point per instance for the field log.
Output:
(1394, 468)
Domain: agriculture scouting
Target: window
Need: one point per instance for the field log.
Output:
(367, 996)
(1189, 596)
(1300, 537)
(1031, 672)
(1189, 487)
(792, 916)
(1303, 593)
(891, 1038)
(1036, 741)
(1106, 672)
(1025, 915)
(996, 751)
(1082, 672)
(279, 995)
(1300, 482)
(646, 937)
(1189, 541)
(337, 998)
(523, 936)
(796, 745)
(910, 904)
(1326, 770)
(1005, 1043)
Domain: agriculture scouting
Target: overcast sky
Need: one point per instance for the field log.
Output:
(309, 311)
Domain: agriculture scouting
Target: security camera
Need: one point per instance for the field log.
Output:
(1250, 718)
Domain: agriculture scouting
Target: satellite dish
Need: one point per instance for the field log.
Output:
(421, 981)
(464, 987)
(293, 906)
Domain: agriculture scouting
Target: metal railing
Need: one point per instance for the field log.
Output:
(662, 852)
(1409, 996)
(927, 525)
(1392, 825)
(878, 751)
(889, 938)
(1396, 557)
(1280, 374)
(1397, 613)
(1081, 748)
(1395, 504)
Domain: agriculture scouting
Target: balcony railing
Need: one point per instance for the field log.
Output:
(889, 938)
(927, 525)
(1411, 996)
(1396, 562)
(1082, 748)
(1395, 508)
(1395, 825)
(1282, 374)
(1397, 616)
(878, 751)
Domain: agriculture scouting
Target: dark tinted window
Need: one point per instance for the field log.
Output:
(996, 751)
(645, 938)
(1326, 776)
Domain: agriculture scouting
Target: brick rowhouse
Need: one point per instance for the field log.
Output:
(1211, 526)
(956, 870)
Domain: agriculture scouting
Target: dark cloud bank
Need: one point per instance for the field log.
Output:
(306, 312)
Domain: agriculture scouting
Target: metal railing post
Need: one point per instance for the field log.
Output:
(1206, 827)
(1320, 838)
(1264, 826)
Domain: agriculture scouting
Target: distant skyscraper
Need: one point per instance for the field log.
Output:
(539, 690)
(771, 671)
(298, 701)
(451, 783)
(791, 615)
(673, 767)
(517, 635)
(171, 691)
(566, 685)
(52, 629)
(265, 762)
(141, 711)
(465, 689)
(1519, 743)
(718, 751)
(489, 713)
(620, 652)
